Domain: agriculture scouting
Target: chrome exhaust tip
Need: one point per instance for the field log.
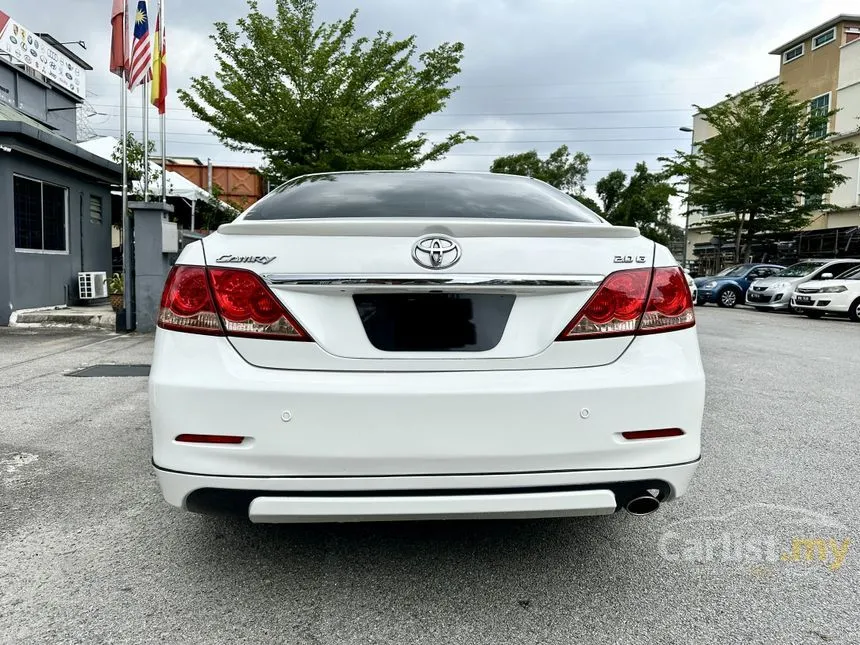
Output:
(642, 505)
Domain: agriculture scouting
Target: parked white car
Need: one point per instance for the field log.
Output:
(840, 296)
(691, 283)
(777, 291)
(405, 345)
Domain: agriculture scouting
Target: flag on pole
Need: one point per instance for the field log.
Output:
(140, 68)
(159, 63)
(118, 42)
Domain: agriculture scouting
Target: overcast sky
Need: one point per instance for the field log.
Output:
(614, 79)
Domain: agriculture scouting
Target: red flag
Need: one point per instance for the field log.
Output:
(159, 64)
(118, 44)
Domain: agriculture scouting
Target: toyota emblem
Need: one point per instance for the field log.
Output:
(436, 252)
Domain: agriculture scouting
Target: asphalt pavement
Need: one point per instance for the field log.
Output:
(89, 552)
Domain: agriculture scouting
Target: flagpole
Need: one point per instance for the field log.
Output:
(145, 95)
(126, 224)
(161, 46)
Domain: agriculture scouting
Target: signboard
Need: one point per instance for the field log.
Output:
(34, 53)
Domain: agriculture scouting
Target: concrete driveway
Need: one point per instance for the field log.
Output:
(89, 553)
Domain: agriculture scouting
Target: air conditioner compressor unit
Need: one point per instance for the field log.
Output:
(92, 285)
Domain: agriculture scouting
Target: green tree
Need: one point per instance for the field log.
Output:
(769, 166)
(135, 157)
(586, 201)
(643, 202)
(314, 98)
(560, 169)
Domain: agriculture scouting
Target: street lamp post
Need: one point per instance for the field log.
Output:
(687, 215)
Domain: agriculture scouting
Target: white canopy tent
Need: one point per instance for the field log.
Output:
(177, 185)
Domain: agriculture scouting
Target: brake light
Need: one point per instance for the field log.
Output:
(670, 305)
(248, 308)
(186, 303)
(214, 301)
(635, 301)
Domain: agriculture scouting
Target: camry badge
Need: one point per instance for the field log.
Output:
(436, 252)
(245, 259)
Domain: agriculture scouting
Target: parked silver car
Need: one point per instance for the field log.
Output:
(775, 292)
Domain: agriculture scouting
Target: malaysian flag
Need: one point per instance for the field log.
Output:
(140, 68)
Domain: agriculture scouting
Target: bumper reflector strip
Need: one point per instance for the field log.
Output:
(209, 438)
(653, 434)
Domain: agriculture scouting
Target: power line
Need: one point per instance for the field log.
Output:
(470, 143)
(648, 81)
(511, 129)
(498, 114)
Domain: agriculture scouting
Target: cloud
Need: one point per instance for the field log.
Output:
(613, 79)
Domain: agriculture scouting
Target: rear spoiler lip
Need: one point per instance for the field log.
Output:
(415, 227)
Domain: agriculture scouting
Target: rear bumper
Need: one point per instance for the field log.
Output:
(352, 499)
(362, 424)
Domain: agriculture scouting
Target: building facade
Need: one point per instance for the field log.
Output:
(55, 198)
(823, 67)
(237, 185)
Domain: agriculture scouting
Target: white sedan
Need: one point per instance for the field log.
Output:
(691, 283)
(839, 296)
(409, 345)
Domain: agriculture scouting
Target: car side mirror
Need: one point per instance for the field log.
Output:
(826, 276)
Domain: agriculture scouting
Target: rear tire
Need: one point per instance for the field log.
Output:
(728, 297)
(813, 314)
(854, 311)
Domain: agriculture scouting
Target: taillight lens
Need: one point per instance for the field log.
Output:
(242, 305)
(186, 303)
(248, 308)
(670, 305)
(636, 301)
(615, 309)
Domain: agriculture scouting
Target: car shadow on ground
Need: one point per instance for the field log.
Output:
(423, 549)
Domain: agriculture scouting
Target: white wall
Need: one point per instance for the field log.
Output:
(846, 195)
(848, 96)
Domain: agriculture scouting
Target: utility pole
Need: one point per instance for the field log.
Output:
(687, 215)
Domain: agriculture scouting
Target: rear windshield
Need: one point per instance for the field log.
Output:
(419, 194)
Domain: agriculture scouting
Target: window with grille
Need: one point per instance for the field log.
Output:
(41, 215)
(791, 54)
(823, 38)
(818, 109)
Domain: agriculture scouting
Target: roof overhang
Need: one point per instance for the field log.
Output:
(817, 30)
(51, 149)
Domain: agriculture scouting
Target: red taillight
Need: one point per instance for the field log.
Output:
(248, 308)
(670, 305)
(653, 434)
(209, 438)
(242, 305)
(186, 303)
(619, 307)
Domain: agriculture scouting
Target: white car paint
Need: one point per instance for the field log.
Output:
(336, 429)
(839, 296)
(694, 290)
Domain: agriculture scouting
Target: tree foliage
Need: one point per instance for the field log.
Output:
(135, 160)
(768, 167)
(643, 202)
(560, 169)
(586, 201)
(313, 97)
